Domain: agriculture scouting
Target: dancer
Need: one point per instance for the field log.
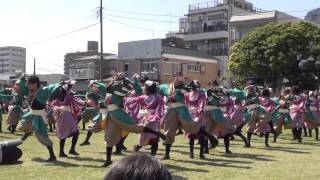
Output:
(261, 117)
(196, 103)
(281, 116)
(153, 105)
(236, 116)
(297, 112)
(50, 117)
(311, 120)
(36, 119)
(219, 103)
(132, 108)
(178, 115)
(15, 100)
(117, 119)
(67, 109)
(90, 111)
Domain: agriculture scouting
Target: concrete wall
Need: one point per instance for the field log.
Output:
(52, 78)
(139, 49)
(134, 66)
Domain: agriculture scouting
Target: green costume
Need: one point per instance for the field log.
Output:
(15, 100)
(213, 100)
(39, 120)
(176, 95)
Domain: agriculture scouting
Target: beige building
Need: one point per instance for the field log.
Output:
(153, 58)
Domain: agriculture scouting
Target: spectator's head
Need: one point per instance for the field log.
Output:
(138, 167)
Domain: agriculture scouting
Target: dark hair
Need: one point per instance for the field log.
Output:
(215, 82)
(34, 80)
(151, 89)
(266, 93)
(144, 79)
(138, 167)
(296, 90)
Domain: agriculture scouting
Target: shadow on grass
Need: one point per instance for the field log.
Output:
(218, 163)
(86, 159)
(12, 164)
(175, 168)
(254, 157)
(56, 163)
(287, 150)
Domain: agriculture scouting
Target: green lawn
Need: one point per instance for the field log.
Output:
(285, 160)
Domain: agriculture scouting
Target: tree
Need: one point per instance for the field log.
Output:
(277, 51)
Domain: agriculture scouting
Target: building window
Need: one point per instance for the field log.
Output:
(194, 67)
(126, 67)
(166, 68)
(150, 66)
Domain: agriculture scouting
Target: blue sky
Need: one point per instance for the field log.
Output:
(24, 22)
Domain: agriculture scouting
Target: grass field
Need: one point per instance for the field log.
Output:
(285, 160)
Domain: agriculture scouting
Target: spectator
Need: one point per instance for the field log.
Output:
(138, 167)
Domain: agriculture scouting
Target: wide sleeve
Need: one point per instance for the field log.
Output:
(51, 89)
(136, 99)
(160, 111)
(202, 103)
(164, 90)
(137, 87)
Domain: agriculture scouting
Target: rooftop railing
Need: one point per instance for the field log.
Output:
(217, 3)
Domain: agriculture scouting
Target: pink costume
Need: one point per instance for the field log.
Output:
(132, 108)
(196, 103)
(66, 114)
(267, 106)
(226, 106)
(297, 111)
(237, 114)
(154, 107)
(317, 105)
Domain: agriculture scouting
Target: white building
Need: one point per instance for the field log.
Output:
(241, 25)
(88, 67)
(206, 27)
(12, 60)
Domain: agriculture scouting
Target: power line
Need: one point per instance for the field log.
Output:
(141, 19)
(42, 60)
(60, 35)
(304, 10)
(133, 26)
(142, 14)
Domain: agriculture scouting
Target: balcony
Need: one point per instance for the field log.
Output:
(205, 6)
(208, 26)
(214, 49)
(193, 8)
(206, 36)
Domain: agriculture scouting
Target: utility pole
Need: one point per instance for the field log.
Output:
(34, 66)
(230, 4)
(101, 40)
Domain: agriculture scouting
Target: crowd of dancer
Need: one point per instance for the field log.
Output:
(157, 111)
